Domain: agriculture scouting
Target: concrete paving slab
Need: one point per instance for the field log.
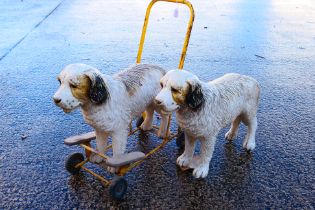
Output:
(19, 18)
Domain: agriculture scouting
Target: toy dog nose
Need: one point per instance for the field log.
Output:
(158, 102)
(57, 100)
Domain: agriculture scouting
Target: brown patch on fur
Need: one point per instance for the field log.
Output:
(81, 92)
(180, 97)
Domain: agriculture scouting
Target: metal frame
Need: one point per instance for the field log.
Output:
(124, 169)
(189, 28)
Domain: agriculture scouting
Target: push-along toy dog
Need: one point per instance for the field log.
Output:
(203, 109)
(110, 103)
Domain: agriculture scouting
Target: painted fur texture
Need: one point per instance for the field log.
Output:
(110, 103)
(203, 109)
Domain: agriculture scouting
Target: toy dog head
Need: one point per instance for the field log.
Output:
(179, 89)
(80, 84)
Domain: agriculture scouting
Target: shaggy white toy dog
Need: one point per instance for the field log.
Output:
(109, 103)
(203, 109)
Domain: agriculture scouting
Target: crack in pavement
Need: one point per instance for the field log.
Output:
(38, 24)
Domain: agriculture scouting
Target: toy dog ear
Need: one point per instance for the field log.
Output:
(194, 97)
(98, 92)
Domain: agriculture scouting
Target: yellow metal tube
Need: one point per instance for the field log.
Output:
(87, 152)
(82, 163)
(93, 150)
(132, 132)
(124, 169)
(189, 28)
(106, 182)
(108, 147)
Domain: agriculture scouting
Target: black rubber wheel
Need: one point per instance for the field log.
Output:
(72, 161)
(139, 121)
(118, 188)
(180, 140)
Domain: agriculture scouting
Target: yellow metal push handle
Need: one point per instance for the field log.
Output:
(190, 24)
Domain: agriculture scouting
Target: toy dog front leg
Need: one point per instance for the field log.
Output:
(119, 142)
(163, 126)
(147, 123)
(202, 162)
(101, 143)
(185, 159)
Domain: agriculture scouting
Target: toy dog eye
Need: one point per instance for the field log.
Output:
(161, 85)
(73, 86)
(59, 81)
(174, 90)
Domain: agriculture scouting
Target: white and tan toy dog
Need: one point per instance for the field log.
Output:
(110, 103)
(203, 109)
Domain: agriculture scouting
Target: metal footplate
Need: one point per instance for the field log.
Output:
(125, 159)
(80, 139)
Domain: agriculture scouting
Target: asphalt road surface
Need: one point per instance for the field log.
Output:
(272, 41)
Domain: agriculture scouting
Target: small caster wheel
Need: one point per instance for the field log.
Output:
(180, 140)
(139, 121)
(118, 188)
(72, 161)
